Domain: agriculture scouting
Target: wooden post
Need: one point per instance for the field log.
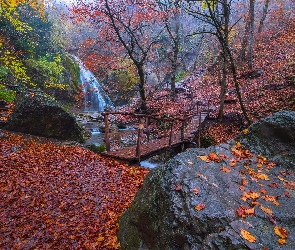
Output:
(139, 138)
(147, 129)
(106, 132)
(171, 133)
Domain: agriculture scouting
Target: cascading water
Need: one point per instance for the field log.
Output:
(95, 98)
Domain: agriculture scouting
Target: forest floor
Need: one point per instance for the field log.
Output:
(60, 196)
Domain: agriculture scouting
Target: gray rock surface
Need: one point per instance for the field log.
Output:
(163, 214)
(38, 114)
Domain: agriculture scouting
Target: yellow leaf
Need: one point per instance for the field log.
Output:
(190, 162)
(203, 157)
(266, 210)
(282, 241)
(262, 177)
(238, 145)
(245, 131)
(247, 235)
(280, 231)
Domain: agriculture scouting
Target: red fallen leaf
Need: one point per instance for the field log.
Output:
(177, 187)
(222, 156)
(262, 190)
(243, 211)
(287, 194)
(283, 173)
(273, 185)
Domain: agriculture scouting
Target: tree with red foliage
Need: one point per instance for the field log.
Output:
(131, 27)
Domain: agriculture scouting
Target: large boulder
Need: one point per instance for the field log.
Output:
(207, 202)
(39, 114)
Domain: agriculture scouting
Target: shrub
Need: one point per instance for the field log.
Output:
(6, 94)
(97, 149)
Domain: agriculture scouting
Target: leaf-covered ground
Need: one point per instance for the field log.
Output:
(61, 197)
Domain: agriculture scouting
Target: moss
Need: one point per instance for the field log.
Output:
(72, 67)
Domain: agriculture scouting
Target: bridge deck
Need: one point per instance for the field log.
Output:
(157, 146)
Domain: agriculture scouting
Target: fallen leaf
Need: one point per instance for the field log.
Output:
(266, 210)
(245, 131)
(262, 190)
(281, 178)
(250, 195)
(244, 182)
(281, 232)
(273, 185)
(247, 235)
(204, 158)
(101, 238)
(282, 241)
(190, 162)
(271, 198)
(200, 206)
(196, 191)
(287, 194)
(225, 169)
(213, 157)
(177, 187)
(263, 177)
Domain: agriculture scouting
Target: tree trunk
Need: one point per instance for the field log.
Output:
(234, 73)
(140, 72)
(222, 81)
(245, 42)
(264, 13)
(251, 35)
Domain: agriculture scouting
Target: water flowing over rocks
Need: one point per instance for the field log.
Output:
(164, 213)
(38, 114)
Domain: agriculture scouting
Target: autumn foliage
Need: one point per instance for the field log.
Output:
(61, 197)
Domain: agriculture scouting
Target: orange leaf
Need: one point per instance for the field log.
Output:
(280, 231)
(225, 169)
(244, 182)
(213, 157)
(196, 191)
(271, 198)
(282, 241)
(247, 235)
(265, 209)
(200, 206)
(262, 190)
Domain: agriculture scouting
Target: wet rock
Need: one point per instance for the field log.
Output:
(38, 114)
(163, 214)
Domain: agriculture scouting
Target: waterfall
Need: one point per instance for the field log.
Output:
(95, 98)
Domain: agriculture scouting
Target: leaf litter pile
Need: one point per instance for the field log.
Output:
(59, 197)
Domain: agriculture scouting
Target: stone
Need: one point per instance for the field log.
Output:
(39, 114)
(163, 214)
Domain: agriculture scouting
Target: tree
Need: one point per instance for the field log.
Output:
(216, 14)
(129, 26)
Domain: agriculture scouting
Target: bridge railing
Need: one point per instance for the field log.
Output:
(144, 121)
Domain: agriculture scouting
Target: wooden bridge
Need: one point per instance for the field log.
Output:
(180, 131)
